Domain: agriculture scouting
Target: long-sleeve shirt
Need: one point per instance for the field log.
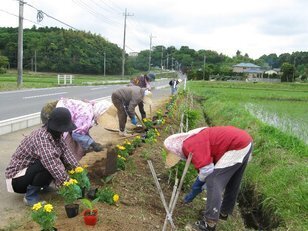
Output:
(130, 97)
(54, 155)
(211, 144)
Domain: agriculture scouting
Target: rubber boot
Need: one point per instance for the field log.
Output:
(31, 197)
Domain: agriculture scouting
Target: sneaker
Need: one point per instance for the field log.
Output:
(203, 226)
(32, 202)
(124, 134)
(97, 147)
(223, 216)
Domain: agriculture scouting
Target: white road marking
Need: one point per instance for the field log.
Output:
(38, 96)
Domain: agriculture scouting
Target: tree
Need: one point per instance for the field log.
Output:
(287, 72)
(4, 61)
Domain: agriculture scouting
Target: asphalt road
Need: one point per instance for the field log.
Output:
(24, 102)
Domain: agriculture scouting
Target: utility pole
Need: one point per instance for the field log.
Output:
(204, 58)
(20, 43)
(167, 61)
(123, 51)
(161, 59)
(172, 63)
(104, 63)
(151, 37)
(35, 61)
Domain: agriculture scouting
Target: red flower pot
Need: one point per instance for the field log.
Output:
(90, 218)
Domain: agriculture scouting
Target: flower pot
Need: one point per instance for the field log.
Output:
(72, 210)
(90, 219)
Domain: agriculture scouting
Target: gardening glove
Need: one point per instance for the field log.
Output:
(195, 190)
(134, 120)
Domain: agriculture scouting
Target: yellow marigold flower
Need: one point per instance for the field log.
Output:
(73, 181)
(138, 137)
(48, 208)
(123, 158)
(120, 147)
(145, 120)
(115, 198)
(71, 172)
(66, 183)
(37, 206)
(78, 169)
(119, 156)
(157, 133)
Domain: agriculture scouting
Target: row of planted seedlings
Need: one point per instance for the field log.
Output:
(78, 188)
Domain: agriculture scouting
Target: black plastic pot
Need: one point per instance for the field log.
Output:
(72, 210)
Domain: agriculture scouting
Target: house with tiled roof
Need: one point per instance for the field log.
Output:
(250, 69)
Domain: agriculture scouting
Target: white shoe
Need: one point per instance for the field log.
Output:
(124, 134)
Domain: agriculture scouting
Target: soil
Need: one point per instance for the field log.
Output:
(139, 207)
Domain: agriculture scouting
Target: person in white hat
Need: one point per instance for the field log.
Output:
(220, 154)
(42, 157)
(174, 85)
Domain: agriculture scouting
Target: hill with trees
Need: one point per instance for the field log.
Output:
(61, 50)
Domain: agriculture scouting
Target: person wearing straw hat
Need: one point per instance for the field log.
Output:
(220, 154)
(42, 157)
(143, 81)
(125, 99)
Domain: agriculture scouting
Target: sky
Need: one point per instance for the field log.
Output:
(255, 27)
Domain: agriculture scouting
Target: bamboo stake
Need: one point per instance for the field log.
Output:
(174, 200)
(169, 217)
(181, 182)
(170, 202)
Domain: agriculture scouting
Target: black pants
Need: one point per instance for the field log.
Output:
(36, 175)
(142, 111)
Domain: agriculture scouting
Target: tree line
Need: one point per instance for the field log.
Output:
(60, 50)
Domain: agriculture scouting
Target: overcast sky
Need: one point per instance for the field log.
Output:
(255, 27)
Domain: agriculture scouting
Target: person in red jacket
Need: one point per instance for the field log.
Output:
(220, 154)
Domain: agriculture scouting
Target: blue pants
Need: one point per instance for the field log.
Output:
(84, 140)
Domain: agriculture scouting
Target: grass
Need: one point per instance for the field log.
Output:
(278, 172)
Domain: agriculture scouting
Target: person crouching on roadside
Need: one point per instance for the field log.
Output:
(126, 99)
(42, 157)
(220, 154)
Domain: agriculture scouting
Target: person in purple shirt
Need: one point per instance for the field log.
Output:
(42, 157)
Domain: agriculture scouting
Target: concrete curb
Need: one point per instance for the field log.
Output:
(18, 123)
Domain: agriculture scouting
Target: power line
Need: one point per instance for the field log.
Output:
(18, 16)
(40, 11)
(94, 12)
